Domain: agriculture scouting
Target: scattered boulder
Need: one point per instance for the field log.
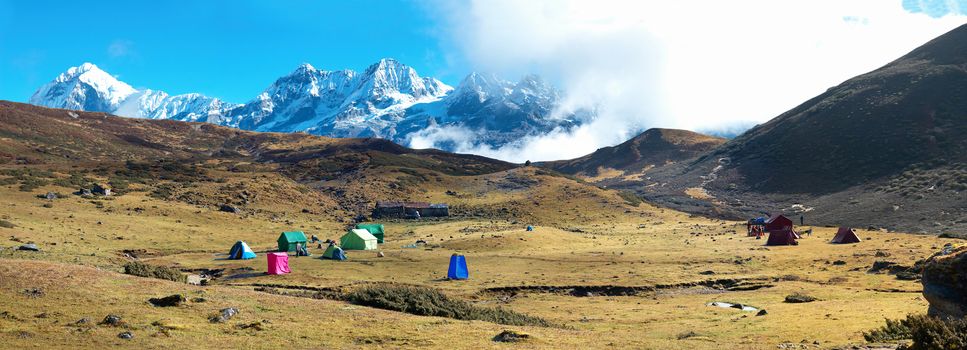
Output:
(380, 254)
(29, 247)
(508, 336)
(229, 209)
(171, 300)
(881, 265)
(50, 196)
(126, 335)
(224, 315)
(111, 320)
(761, 313)
(82, 321)
(839, 262)
(34, 293)
(945, 283)
(799, 298)
(707, 272)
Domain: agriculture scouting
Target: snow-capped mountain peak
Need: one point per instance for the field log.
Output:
(388, 99)
(85, 87)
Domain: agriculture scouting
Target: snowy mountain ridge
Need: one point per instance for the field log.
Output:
(388, 100)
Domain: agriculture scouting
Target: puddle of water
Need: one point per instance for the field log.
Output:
(732, 306)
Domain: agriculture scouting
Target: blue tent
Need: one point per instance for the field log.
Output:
(530, 228)
(241, 251)
(759, 221)
(458, 268)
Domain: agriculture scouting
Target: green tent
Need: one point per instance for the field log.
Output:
(358, 239)
(288, 240)
(375, 229)
(335, 253)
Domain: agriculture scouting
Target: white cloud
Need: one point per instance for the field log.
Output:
(120, 48)
(683, 64)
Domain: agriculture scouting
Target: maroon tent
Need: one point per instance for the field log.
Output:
(782, 237)
(778, 222)
(780, 231)
(845, 235)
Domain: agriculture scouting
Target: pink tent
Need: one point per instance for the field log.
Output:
(278, 263)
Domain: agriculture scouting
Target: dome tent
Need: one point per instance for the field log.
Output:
(240, 250)
(334, 252)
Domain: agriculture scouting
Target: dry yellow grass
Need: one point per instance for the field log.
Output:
(584, 237)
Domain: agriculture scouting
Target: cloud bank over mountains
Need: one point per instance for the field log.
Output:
(699, 65)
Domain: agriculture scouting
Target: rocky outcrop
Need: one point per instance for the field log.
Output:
(945, 283)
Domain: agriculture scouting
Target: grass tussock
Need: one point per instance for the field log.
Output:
(138, 268)
(7, 224)
(630, 198)
(926, 332)
(427, 301)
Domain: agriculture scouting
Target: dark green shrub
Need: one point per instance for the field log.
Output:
(630, 198)
(32, 183)
(926, 332)
(138, 268)
(426, 301)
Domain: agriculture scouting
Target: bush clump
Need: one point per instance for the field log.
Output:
(630, 198)
(7, 224)
(138, 268)
(927, 332)
(799, 298)
(426, 301)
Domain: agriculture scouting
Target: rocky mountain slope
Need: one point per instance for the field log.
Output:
(884, 149)
(388, 100)
(634, 158)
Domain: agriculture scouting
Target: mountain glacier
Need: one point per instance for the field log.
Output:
(388, 100)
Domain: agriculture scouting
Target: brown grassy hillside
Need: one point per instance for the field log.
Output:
(652, 148)
(883, 149)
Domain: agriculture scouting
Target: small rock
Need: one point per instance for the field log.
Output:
(29, 247)
(125, 335)
(83, 321)
(508, 336)
(707, 272)
(839, 262)
(171, 300)
(111, 320)
(380, 255)
(761, 313)
(224, 315)
(229, 209)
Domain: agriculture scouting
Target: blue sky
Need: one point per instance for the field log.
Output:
(228, 49)
(702, 65)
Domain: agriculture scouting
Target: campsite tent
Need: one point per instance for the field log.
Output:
(530, 228)
(458, 268)
(288, 240)
(335, 253)
(241, 251)
(780, 231)
(358, 239)
(778, 222)
(782, 237)
(845, 235)
(278, 263)
(375, 229)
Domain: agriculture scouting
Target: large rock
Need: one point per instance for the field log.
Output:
(171, 300)
(945, 283)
